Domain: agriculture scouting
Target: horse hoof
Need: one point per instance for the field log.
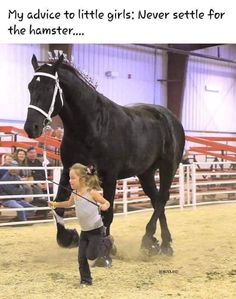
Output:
(154, 250)
(103, 261)
(110, 247)
(114, 250)
(67, 238)
(167, 250)
(151, 249)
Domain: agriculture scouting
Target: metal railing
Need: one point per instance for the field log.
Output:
(191, 187)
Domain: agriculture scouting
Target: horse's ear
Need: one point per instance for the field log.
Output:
(34, 62)
(58, 62)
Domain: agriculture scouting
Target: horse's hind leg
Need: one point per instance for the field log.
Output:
(167, 171)
(149, 242)
(158, 200)
(165, 235)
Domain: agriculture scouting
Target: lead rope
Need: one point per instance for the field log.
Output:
(57, 218)
(46, 162)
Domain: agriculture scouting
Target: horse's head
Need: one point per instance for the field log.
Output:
(46, 98)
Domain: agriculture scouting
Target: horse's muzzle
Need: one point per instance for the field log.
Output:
(32, 129)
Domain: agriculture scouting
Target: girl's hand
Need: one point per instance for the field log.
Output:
(104, 206)
(100, 200)
(51, 204)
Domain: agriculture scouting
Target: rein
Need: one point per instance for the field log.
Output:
(56, 89)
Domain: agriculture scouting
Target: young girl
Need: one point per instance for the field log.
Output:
(85, 182)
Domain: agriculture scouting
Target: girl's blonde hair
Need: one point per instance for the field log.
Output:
(88, 174)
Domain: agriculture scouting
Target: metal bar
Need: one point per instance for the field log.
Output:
(188, 53)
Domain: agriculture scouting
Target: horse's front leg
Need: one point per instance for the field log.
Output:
(66, 238)
(109, 189)
(64, 190)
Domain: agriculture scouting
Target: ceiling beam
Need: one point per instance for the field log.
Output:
(189, 53)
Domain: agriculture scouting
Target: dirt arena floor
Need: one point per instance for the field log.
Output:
(203, 266)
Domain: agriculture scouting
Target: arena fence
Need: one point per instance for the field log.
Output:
(195, 184)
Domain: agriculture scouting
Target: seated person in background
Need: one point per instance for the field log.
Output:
(185, 158)
(37, 174)
(20, 158)
(233, 165)
(7, 160)
(15, 189)
(185, 161)
(25, 175)
(58, 133)
(214, 166)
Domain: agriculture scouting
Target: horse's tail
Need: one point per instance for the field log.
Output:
(177, 137)
(174, 136)
(67, 238)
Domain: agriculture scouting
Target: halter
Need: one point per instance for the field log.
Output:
(56, 89)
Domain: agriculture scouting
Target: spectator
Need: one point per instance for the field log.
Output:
(32, 188)
(58, 133)
(186, 161)
(233, 165)
(214, 166)
(7, 160)
(37, 174)
(20, 158)
(185, 158)
(15, 189)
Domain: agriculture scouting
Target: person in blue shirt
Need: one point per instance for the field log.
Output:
(15, 189)
(8, 159)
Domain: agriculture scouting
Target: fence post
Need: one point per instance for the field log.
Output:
(194, 189)
(188, 176)
(125, 193)
(181, 185)
(56, 178)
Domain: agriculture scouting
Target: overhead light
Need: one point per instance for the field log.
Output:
(211, 88)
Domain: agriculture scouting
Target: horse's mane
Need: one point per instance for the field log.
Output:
(79, 74)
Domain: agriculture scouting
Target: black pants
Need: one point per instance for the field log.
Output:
(90, 247)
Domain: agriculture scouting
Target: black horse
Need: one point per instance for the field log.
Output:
(122, 141)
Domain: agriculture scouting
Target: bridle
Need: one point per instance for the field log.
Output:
(56, 89)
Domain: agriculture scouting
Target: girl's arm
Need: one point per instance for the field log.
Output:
(103, 203)
(62, 204)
